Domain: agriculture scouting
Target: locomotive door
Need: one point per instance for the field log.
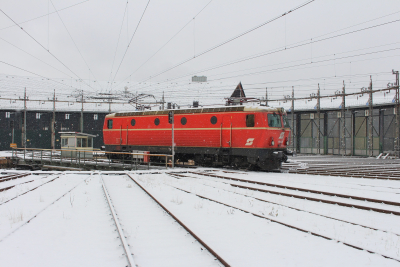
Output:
(226, 132)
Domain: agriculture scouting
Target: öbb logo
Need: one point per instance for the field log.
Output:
(249, 142)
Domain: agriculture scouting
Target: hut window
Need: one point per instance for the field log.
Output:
(67, 116)
(95, 117)
(38, 116)
(64, 141)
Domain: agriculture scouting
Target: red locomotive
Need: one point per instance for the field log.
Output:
(240, 136)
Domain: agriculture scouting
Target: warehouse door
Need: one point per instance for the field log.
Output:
(226, 132)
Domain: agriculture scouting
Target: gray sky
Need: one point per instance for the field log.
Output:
(98, 26)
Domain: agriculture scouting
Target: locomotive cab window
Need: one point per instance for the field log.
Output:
(274, 120)
(250, 120)
(286, 122)
(109, 124)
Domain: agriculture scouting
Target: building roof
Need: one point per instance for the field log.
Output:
(239, 92)
(76, 134)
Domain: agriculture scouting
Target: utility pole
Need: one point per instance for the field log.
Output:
(24, 140)
(109, 105)
(82, 113)
(266, 96)
(397, 122)
(53, 123)
(370, 121)
(343, 137)
(319, 120)
(172, 122)
(292, 109)
(162, 104)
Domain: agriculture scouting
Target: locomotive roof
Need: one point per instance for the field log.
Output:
(198, 110)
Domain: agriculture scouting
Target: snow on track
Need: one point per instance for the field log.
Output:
(77, 230)
(155, 238)
(244, 227)
(15, 188)
(245, 240)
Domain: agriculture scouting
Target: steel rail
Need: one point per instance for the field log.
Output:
(28, 190)
(287, 225)
(320, 200)
(343, 174)
(128, 253)
(183, 225)
(179, 176)
(12, 177)
(299, 189)
(34, 216)
(9, 187)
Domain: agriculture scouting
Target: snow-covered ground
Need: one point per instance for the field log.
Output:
(66, 221)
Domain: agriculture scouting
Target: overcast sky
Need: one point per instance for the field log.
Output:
(101, 31)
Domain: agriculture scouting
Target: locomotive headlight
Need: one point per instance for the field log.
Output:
(272, 141)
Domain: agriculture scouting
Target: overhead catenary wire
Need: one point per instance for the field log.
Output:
(119, 36)
(313, 63)
(76, 46)
(304, 59)
(296, 45)
(36, 41)
(166, 43)
(35, 57)
(48, 13)
(231, 39)
(33, 73)
(133, 35)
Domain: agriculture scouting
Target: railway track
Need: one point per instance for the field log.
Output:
(125, 245)
(180, 176)
(384, 171)
(39, 212)
(191, 232)
(309, 191)
(12, 177)
(30, 190)
(275, 220)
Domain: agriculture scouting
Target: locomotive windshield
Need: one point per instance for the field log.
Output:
(274, 120)
(285, 122)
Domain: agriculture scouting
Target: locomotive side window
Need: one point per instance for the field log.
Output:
(183, 121)
(286, 122)
(157, 121)
(109, 124)
(213, 120)
(250, 120)
(133, 122)
(274, 120)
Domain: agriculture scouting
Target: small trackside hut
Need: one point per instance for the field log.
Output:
(77, 145)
